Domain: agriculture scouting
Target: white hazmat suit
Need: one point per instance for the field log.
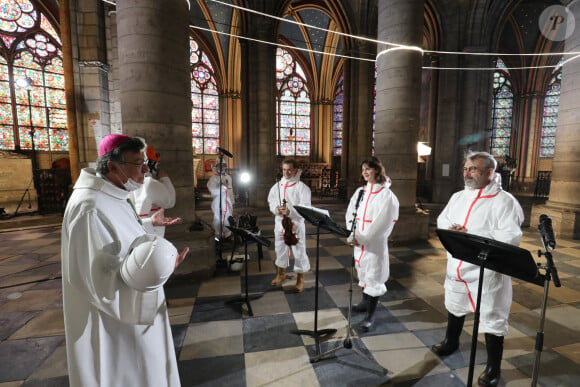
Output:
(296, 193)
(154, 195)
(376, 216)
(227, 199)
(492, 213)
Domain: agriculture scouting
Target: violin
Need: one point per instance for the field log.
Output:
(290, 237)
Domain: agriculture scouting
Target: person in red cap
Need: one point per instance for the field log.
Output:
(116, 323)
(156, 194)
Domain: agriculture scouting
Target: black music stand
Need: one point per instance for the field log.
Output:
(318, 219)
(493, 255)
(247, 236)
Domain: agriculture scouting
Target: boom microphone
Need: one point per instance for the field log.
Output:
(225, 152)
(546, 231)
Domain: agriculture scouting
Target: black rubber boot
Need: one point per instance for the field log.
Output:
(451, 341)
(363, 305)
(494, 346)
(369, 320)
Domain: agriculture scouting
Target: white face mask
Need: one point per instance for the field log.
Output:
(130, 184)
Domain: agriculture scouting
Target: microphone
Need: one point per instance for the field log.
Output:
(361, 193)
(546, 231)
(225, 152)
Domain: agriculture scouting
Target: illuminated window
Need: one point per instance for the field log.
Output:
(550, 116)
(205, 100)
(502, 111)
(292, 107)
(30, 47)
(337, 120)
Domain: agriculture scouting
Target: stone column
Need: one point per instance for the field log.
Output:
(398, 108)
(258, 107)
(154, 92)
(563, 205)
(359, 81)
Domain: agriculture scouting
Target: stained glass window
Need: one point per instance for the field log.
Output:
(550, 116)
(292, 107)
(205, 100)
(337, 120)
(30, 48)
(502, 112)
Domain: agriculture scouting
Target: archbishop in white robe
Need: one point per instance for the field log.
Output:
(115, 334)
(376, 216)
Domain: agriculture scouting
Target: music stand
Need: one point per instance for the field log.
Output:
(318, 219)
(493, 255)
(247, 236)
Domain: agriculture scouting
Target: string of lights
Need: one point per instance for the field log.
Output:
(415, 48)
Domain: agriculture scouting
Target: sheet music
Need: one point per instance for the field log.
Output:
(319, 210)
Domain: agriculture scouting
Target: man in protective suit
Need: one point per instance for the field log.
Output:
(156, 194)
(283, 196)
(220, 187)
(483, 209)
(115, 315)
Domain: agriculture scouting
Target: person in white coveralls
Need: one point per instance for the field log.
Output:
(283, 196)
(481, 208)
(221, 181)
(115, 315)
(375, 209)
(156, 194)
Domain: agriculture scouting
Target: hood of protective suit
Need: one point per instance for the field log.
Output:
(493, 187)
(293, 179)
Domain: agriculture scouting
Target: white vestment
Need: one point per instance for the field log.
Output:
(227, 203)
(115, 335)
(492, 213)
(296, 193)
(376, 216)
(154, 195)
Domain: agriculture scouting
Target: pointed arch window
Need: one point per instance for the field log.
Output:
(550, 114)
(502, 112)
(292, 107)
(205, 100)
(338, 119)
(30, 48)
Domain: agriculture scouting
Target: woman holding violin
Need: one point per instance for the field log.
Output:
(289, 226)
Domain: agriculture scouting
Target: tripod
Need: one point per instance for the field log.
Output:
(551, 272)
(316, 334)
(247, 236)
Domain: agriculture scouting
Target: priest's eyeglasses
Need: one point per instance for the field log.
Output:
(470, 169)
(138, 164)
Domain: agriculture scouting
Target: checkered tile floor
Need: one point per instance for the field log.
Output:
(219, 344)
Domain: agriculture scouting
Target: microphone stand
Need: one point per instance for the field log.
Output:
(551, 271)
(347, 342)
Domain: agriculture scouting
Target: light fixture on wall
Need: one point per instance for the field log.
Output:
(423, 150)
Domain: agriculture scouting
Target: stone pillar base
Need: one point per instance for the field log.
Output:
(565, 219)
(200, 263)
(411, 226)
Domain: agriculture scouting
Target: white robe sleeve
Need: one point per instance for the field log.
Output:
(162, 192)
(94, 263)
(349, 216)
(509, 217)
